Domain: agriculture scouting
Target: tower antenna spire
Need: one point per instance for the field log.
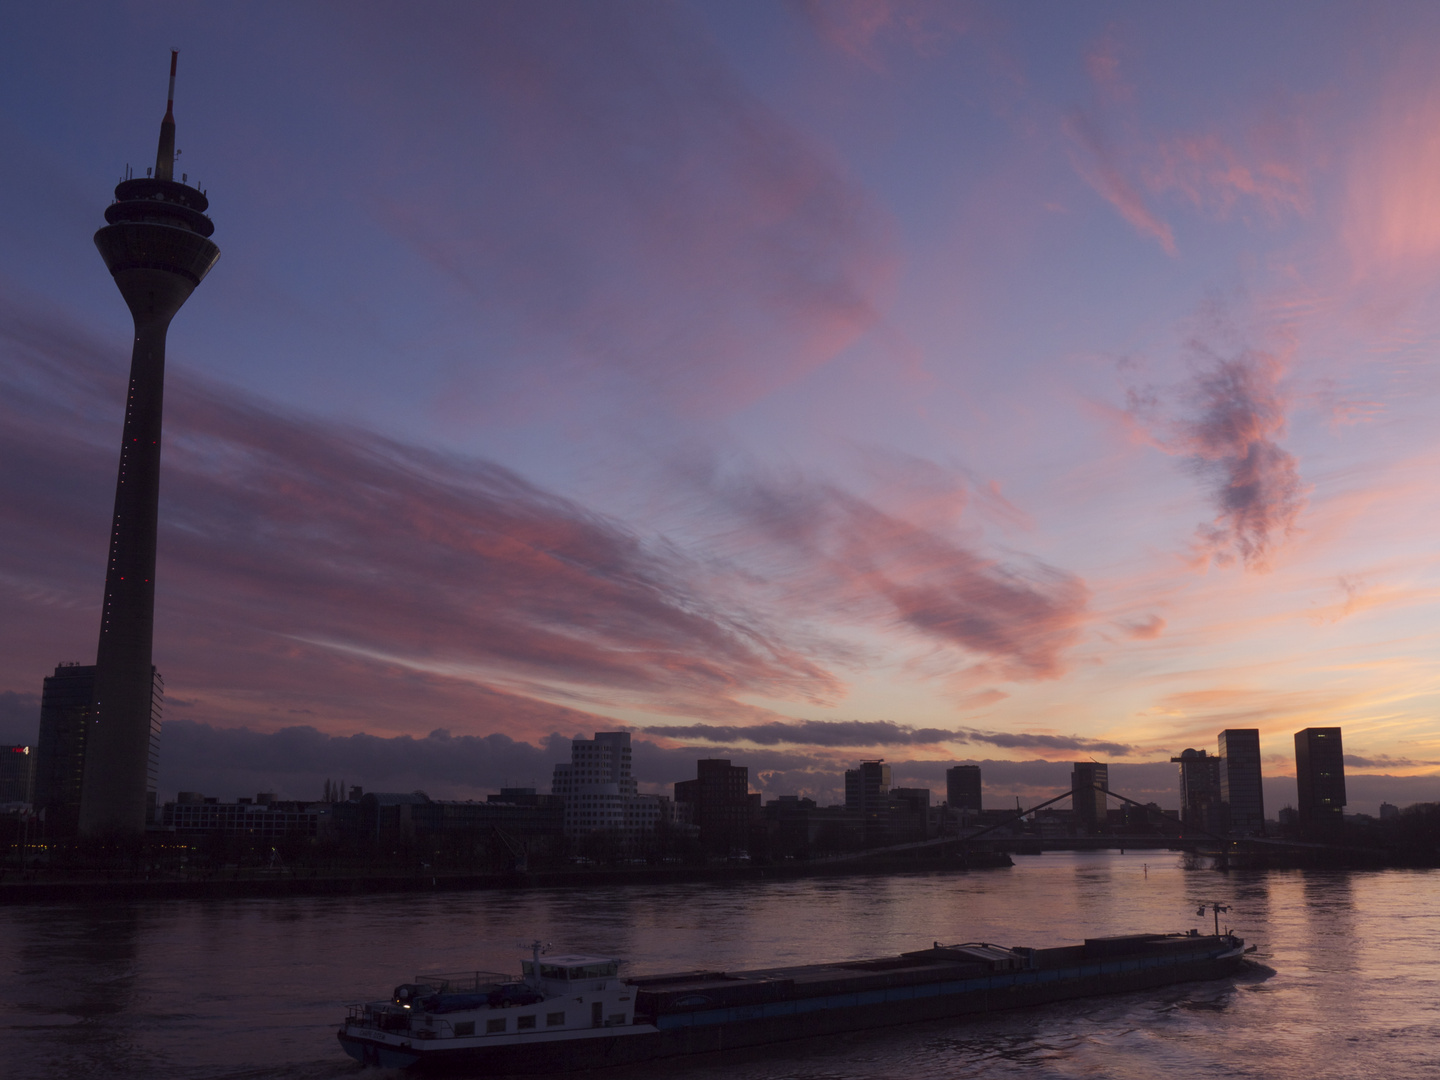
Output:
(165, 152)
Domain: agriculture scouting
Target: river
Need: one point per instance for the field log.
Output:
(1346, 982)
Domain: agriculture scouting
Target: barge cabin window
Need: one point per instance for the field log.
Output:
(573, 974)
(554, 1019)
(495, 1027)
(465, 1027)
(524, 1022)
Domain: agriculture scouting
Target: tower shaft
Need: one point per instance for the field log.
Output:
(125, 712)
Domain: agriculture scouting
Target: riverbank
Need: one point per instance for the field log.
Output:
(265, 883)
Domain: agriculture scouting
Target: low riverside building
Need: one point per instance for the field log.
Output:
(405, 816)
(796, 827)
(262, 817)
(909, 815)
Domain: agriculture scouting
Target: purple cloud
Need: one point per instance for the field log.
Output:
(837, 553)
(813, 733)
(1062, 743)
(1239, 412)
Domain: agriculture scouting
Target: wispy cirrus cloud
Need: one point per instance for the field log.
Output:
(1265, 164)
(316, 569)
(297, 551)
(607, 186)
(835, 552)
(1146, 629)
(1216, 178)
(1101, 166)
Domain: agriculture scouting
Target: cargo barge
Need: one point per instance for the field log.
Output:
(576, 1012)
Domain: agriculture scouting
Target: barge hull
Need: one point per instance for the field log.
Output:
(677, 1034)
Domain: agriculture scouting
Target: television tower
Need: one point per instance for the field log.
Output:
(157, 247)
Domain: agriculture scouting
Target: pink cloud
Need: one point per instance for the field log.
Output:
(1214, 177)
(1146, 629)
(1102, 64)
(1392, 216)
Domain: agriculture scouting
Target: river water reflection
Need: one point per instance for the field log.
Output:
(254, 988)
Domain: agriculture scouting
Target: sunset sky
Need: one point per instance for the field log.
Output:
(795, 383)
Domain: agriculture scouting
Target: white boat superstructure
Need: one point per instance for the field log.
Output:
(555, 999)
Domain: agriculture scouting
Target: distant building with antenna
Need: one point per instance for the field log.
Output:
(1201, 806)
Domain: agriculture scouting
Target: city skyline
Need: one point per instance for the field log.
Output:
(791, 385)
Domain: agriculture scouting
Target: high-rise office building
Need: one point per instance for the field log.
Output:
(156, 245)
(867, 793)
(1088, 781)
(61, 751)
(1240, 785)
(962, 787)
(1201, 806)
(17, 773)
(60, 748)
(1320, 780)
(867, 787)
(718, 800)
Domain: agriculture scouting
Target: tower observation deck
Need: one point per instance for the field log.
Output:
(157, 246)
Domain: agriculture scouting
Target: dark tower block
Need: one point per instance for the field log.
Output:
(60, 754)
(1320, 780)
(962, 787)
(1240, 785)
(157, 247)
